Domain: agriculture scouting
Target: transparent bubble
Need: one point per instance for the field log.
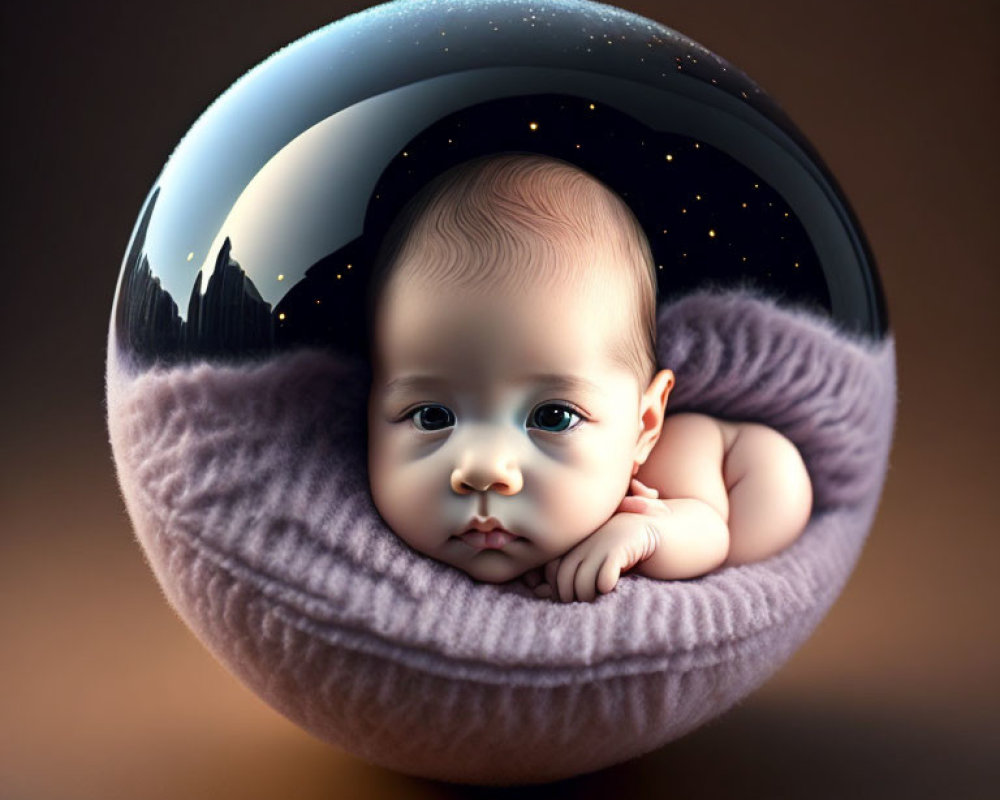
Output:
(260, 231)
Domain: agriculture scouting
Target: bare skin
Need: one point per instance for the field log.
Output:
(711, 494)
(509, 438)
(467, 453)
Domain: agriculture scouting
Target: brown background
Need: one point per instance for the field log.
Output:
(105, 694)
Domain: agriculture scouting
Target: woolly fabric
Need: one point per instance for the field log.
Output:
(248, 491)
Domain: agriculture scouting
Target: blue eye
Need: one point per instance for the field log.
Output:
(553, 417)
(432, 418)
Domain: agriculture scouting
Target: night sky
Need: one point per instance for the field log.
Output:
(711, 223)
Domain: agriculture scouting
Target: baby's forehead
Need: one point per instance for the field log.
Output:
(580, 305)
(530, 263)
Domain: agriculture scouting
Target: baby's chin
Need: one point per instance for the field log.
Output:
(490, 566)
(493, 567)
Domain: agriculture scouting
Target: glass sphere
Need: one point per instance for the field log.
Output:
(259, 233)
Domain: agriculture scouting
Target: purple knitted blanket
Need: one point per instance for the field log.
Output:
(248, 492)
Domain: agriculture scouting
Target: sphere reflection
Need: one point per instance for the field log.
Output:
(259, 233)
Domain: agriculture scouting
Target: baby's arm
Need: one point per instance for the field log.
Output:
(725, 494)
(665, 539)
(681, 537)
(692, 512)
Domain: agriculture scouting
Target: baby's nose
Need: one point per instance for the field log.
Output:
(495, 475)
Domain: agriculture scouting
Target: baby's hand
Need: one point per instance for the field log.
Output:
(597, 562)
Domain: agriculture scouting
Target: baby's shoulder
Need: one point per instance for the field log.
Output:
(692, 428)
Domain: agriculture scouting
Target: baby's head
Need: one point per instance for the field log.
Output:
(513, 356)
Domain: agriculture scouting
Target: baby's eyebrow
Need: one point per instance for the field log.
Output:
(560, 382)
(406, 383)
(551, 381)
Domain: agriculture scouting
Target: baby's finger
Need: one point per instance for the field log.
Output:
(634, 505)
(551, 570)
(585, 582)
(639, 488)
(608, 576)
(532, 577)
(567, 577)
(543, 590)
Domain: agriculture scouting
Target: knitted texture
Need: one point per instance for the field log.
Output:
(248, 491)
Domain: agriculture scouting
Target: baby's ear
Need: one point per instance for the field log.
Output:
(652, 407)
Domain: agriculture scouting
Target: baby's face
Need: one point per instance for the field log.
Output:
(501, 430)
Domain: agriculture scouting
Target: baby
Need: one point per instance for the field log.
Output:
(516, 418)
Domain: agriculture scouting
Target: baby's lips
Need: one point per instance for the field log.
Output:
(496, 538)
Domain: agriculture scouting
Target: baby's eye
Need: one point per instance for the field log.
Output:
(553, 417)
(432, 418)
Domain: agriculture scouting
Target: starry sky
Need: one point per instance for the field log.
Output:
(709, 219)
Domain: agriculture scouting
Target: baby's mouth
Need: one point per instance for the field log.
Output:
(493, 539)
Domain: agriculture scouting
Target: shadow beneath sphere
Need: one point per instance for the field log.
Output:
(803, 751)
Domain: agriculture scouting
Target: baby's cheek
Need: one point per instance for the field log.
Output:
(398, 487)
(585, 501)
(389, 452)
(407, 490)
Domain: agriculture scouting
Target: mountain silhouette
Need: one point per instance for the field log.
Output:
(229, 320)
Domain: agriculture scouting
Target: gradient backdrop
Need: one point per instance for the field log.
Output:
(105, 694)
